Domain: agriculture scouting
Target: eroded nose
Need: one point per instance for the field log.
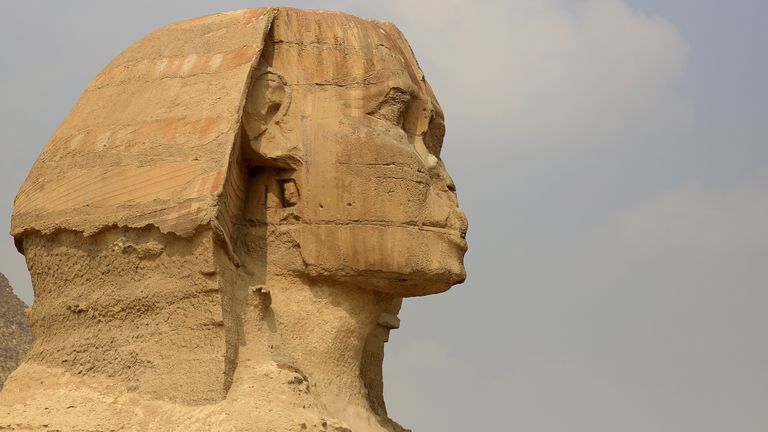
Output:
(449, 183)
(440, 175)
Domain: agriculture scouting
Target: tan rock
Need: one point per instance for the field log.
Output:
(221, 231)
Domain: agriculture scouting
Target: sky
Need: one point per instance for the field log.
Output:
(612, 159)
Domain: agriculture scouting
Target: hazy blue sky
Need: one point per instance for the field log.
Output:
(612, 157)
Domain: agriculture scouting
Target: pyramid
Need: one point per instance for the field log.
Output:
(15, 335)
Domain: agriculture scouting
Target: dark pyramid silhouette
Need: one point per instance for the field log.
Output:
(15, 335)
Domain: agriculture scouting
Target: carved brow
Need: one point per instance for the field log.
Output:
(392, 107)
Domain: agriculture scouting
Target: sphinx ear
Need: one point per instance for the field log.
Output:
(266, 104)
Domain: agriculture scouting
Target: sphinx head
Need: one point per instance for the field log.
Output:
(346, 138)
(236, 192)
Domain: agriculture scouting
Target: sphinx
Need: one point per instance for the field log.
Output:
(222, 230)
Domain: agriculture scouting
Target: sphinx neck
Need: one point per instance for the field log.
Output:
(322, 329)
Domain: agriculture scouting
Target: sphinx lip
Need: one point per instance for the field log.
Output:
(460, 242)
(464, 235)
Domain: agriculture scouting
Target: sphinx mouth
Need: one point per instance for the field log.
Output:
(459, 235)
(442, 230)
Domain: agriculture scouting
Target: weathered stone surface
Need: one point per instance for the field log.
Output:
(222, 230)
(159, 121)
(15, 336)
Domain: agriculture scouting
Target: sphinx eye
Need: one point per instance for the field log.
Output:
(392, 107)
(433, 138)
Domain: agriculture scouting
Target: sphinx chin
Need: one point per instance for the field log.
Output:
(403, 261)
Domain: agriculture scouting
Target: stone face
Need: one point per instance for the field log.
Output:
(221, 232)
(15, 336)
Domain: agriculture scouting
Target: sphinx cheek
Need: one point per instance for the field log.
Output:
(436, 211)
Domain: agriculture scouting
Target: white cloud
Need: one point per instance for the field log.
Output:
(594, 72)
(691, 220)
(688, 238)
